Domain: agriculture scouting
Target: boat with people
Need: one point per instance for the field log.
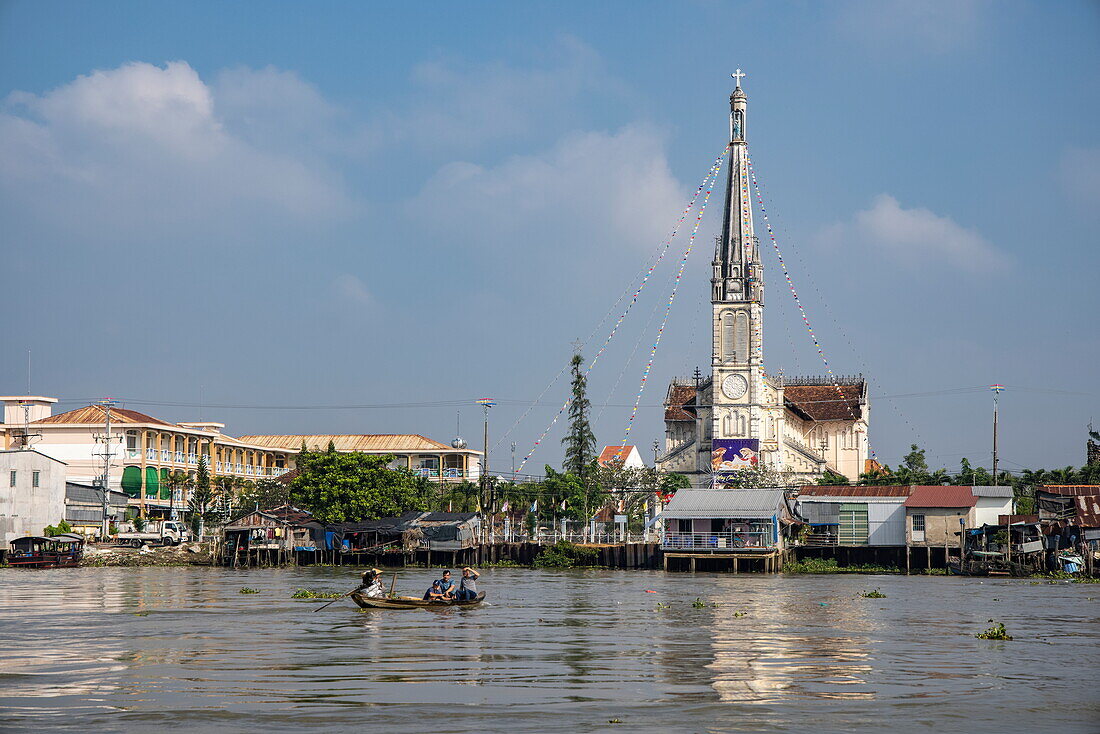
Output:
(40, 551)
(412, 602)
(444, 592)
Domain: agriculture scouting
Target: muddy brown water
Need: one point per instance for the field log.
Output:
(180, 649)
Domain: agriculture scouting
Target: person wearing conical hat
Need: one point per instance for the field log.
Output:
(372, 584)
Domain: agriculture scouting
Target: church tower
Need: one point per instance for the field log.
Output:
(746, 412)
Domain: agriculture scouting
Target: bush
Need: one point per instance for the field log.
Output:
(565, 555)
(61, 527)
(829, 565)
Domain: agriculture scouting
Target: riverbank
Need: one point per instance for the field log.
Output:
(189, 554)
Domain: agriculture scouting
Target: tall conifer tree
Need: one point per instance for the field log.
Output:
(580, 443)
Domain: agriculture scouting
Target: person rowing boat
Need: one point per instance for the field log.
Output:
(372, 584)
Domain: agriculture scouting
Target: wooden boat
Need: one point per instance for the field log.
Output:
(411, 602)
(36, 551)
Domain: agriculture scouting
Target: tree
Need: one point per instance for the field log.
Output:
(351, 487)
(753, 477)
(831, 478)
(264, 494)
(201, 496)
(914, 461)
(177, 481)
(580, 443)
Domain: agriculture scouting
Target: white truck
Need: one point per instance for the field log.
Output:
(166, 532)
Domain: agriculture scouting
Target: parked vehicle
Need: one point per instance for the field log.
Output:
(166, 532)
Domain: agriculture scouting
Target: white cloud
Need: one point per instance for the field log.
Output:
(140, 147)
(454, 104)
(925, 25)
(352, 289)
(1080, 174)
(913, 237)
(591, 193)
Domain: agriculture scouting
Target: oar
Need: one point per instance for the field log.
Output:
(357, 588)
(392, 584)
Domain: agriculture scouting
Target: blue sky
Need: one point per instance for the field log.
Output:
(273, 204)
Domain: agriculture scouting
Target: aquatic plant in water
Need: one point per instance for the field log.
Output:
(248, 590)
(875, 594)
(996, 631)
(310, 594)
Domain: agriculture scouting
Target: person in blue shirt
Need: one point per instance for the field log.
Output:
(435, 593)
(447, 586)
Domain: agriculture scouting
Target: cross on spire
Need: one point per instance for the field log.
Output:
(738, 75)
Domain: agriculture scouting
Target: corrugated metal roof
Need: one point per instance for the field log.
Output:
(1001, 491)
(97, 414)
(827, 491)
(941, 496)
(1072, 490)
(370, 443)
(690, 504)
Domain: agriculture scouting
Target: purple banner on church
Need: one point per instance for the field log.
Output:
(731, 454)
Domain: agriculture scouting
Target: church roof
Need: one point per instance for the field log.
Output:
(678, 397)
(820, 402)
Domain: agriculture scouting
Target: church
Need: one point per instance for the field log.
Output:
(740, 416)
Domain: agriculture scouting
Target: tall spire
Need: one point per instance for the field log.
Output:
(737, 273)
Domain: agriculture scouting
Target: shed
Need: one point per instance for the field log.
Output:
(449, 531)
(854, 516)
(936, 514)
(733, 519)
(280, 528)
(990, 503)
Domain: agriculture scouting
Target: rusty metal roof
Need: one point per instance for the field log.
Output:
(368, 443)
(825, 402)
(95, 414)
(1086, 501)
(816, 490)
(941, 496)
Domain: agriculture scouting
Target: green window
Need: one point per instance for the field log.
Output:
(131, 481)
(152, 482)
(853, 524)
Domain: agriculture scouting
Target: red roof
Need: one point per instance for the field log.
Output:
(678, 397)
(609, 452)
(1086, 501)
(824, 402)
(1072, 490)
(819, 490)
(941, 496)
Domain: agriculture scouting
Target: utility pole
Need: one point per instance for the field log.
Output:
(485, 403)
(513, 462)
(105, 480)
(997, 389)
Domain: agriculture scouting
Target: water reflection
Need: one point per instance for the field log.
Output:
(141, 649)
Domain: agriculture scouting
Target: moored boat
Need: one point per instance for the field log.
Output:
(38, 551)
(411, 602)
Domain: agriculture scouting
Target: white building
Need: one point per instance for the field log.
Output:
(32, 493)
(739, 416)
(627, 456)
(854, 515)
(992, 502)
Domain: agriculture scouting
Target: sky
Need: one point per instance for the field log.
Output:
(282, 216)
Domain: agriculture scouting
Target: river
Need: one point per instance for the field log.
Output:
(180, 649)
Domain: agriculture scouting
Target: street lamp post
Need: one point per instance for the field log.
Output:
(485, 403)
(997, 390)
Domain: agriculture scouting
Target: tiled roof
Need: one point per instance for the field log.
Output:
(827, 491)
(609, 453)
(822, 403)
(369, 443)
(678, 397)
(941, 496)
(98, 414)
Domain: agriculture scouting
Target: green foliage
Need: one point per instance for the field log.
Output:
(310, 594)
(875, 594)
(831, 478)
(582, 498)
(140, 523)
(353, 487)
(580, 443)
(996, 631)
(700, 604)
(248, 590)
(565, 555)
(61, 527)
(461, 497)
(264, 494)
(829, 565)
(201, 495)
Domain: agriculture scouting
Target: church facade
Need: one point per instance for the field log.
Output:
(739, 416)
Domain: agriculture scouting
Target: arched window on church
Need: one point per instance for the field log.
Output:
(741, 345)
(727, 425)
(742, 426)
(728, 338)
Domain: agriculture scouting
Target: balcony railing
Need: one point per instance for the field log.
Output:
(718, 541)
(179, 457)
(151, 454)
(192, 458)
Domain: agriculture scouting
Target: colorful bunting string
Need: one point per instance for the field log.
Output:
(708, 182)
(790, 285)
(664, 321)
